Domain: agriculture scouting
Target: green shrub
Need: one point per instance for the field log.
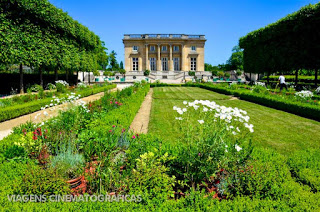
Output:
(15, 152)
(39, 181)
(146, 72)
(192, 73)
(150, 179)
(305, 166)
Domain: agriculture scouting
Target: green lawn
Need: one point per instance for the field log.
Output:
(282, 131)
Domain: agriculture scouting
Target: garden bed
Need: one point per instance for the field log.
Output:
(19, 108)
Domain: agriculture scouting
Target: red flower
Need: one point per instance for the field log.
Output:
(133, 137)
(110, 131)
(45, 137)
(110, 102)
(218, 181)
(113, 126)
(34, 137)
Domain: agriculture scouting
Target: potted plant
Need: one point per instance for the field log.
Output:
(221, 75)
(146, 72)
(227, 75)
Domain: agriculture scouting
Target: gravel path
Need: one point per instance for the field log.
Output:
(141, 120)
(6, 126)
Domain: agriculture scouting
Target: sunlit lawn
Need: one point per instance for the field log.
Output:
(282, 131)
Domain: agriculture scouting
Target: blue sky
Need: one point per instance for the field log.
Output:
(223, 22)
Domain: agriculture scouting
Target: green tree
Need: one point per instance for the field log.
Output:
(235, 62)
(113, 64)
(121, 65)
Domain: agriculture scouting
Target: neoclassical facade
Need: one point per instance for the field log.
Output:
(164, 52)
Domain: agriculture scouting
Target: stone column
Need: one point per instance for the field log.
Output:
(170, 59)
(130, 65)
(159, 59)
(182, 58)
(140, 63)
(147, 58)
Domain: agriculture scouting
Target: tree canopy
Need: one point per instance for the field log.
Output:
(37, 34)
(292, 43)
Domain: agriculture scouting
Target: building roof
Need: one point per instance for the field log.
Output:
(163, 36)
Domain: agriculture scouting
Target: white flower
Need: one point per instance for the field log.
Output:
(304, 94)
(201, 121)
(179, 118)
(184, 109)
(180, 111)
(237, 147)
(234, 133)
(45, 113)
(205, 109)
(185, 102)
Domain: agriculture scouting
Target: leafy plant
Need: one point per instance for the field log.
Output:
(146, 72)
(150, 178)
(39, 181)
(67, 162)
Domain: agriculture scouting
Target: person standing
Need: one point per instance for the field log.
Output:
(282, 82)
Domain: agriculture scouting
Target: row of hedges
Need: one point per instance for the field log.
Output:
(29, 107)
(11, 81)
(301, 109)
(292, 78)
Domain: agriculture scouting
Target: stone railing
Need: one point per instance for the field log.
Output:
(163, 36)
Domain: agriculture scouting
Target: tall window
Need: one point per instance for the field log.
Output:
(193, 64)
(193, 48)
(152, 48)
(176, 48)
(164, 48)
(164, 64)
(176, 65)
(152, 64)
(135, 48)
(135, 64)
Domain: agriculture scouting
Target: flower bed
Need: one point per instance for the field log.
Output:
(215, 160)
(29, 107)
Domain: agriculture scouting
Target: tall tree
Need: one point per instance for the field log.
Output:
(235, 62)
(121, 65)
(113, 61)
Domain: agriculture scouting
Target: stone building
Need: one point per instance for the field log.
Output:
(164, 53)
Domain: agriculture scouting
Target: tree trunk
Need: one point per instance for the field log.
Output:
(250, 76)
(77, 77)
(296, 80)
(83, 76)
(21, 79)
(41, 77)
(67, 73)
(56, 74)
(316, 78)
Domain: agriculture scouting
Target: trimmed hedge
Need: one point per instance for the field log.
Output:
(30, 107)
(297, 108)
